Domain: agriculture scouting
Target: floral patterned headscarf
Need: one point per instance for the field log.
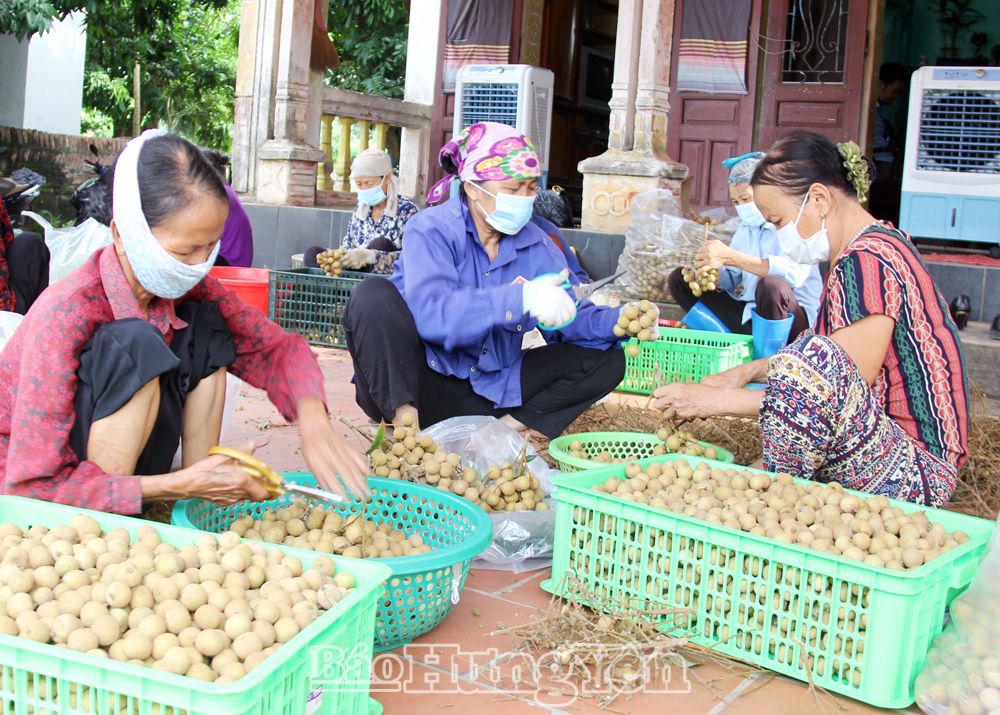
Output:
(486, 151)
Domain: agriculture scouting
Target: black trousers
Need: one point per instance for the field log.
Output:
(774, 297)
(28, 269)
(124, 355)
(558, 382)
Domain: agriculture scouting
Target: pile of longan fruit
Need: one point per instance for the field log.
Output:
(701, 281)
(213, 610)
(815, 515)
(316, 528)
(418, 458)
(329, 261)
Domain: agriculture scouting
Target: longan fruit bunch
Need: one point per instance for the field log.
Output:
(329, 261)
(637, 320)
(212, 610)
(314, 527)
(701, 281)
(818, 516)
(418, 458)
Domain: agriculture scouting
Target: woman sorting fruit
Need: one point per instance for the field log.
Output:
(375, 234)
(120, 360)
(877, 398)
(443, 337)
(754, 277)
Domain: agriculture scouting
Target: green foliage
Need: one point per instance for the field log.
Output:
(954, 16)
(94, 122)
(186, 50)
(23, 18)
(370, 36)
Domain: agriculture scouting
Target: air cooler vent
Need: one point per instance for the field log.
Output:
(483, 102)
(959, 131)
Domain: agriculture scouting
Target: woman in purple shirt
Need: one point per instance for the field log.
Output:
(443, 337)
(236, 244)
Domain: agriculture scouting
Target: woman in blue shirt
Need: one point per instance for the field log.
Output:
(753, 271)
(443, 337)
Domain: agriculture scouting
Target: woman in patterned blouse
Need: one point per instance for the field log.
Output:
(117, 362)
(877, 398)
(375, 235)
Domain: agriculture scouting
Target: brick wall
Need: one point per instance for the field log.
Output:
(58, 157)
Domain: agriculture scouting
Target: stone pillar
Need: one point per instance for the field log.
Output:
(425, 45)
(636, 160)
(278, 96)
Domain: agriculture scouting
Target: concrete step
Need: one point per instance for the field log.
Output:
(982, 356)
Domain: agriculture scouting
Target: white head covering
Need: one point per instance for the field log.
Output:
(376, 163)
(157, 271)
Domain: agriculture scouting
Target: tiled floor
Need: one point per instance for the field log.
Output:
(431, 677)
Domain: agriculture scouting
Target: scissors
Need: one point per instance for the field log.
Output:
(581, 291)
(271, 480)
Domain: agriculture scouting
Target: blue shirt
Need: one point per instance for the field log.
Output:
(468, 310)
(762, 242)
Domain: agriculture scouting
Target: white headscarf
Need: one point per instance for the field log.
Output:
(374, 162)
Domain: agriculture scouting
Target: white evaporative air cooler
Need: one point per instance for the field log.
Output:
(951, 169)
(518, 95)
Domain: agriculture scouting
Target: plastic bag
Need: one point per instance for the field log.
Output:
(962, 671)
(8, 324)
(659, 240)
(520, 538)
(70, 247)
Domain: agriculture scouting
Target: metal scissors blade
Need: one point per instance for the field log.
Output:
(584, 291)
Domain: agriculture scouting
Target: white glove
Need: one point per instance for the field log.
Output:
(357, 258)
(547, 301)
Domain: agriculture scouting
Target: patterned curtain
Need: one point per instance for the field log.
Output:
(478, 34)
(713, 47)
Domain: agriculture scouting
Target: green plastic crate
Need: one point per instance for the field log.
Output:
(662, 559)
(620, 444)
(683, 355)
(309, 302)
(423, 588)
(38, 678)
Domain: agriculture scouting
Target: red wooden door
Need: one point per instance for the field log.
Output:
(814, 60)
(703, 128)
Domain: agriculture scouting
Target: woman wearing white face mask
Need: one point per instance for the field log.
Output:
(877, 398)
(123, 358)
(443, 337)
(754, 277)
(375, 234)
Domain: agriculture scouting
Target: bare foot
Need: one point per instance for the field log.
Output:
(402, 412)
(514, 424)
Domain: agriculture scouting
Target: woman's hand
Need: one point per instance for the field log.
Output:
(219, 479)
(327, 454)
(687, 400)
(545, 299)
(358, 258)
(712, 254)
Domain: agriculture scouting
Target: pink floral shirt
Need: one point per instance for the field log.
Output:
(38, 378)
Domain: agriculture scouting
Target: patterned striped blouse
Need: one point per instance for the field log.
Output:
(922, 384)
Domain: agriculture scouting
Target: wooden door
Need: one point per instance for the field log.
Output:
(705, 128)
(814, 61)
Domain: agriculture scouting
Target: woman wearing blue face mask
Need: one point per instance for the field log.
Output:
(444, 336)
(375, 234)
(876, 399)
(755, 276)
(126, 357)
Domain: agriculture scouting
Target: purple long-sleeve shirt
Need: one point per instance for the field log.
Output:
(468, 310)
(237, 235)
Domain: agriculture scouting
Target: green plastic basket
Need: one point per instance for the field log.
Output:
(327, 665)
(620, 444)
(662, 559)
(423, 588)
(309, 302)
(683, 355)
